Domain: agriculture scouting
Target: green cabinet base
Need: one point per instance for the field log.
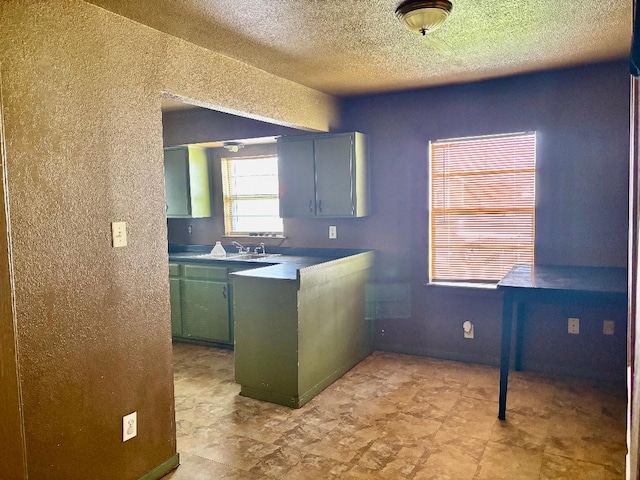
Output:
(163, 469)
(297, 401)
(293, 338)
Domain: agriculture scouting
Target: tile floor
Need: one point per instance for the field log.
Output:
(397, 417)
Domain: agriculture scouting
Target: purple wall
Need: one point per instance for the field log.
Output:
(581, 116)
(582, 119)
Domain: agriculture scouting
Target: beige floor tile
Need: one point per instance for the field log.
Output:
(278, 463)
(504, 462)
(394, 417)
(314, 467)
(587, 438)
(524, 431)
(472, 418)
(199, 468)
(236, 451)
(561, 468)
(450, 457)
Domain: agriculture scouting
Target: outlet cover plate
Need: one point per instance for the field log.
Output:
(608, 327)
(467, 328)
(129, 426)
(574, 326)
(333, 232)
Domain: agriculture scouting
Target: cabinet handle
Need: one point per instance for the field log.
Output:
(320, 206)
(224, 292)
(310, 206)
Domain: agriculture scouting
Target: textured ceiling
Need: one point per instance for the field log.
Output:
(346, 47)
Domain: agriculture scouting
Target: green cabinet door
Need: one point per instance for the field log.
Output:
(205, 310)
(334, 176)
(175, 296)
(176, 309)
(296, 176)
(186, 182)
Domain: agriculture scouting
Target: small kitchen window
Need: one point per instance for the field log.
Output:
(250, 195)
(482, 207)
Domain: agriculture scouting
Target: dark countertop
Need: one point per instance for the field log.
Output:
(566, 278)
(283, 264)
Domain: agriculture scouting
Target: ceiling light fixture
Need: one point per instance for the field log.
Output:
(423, 16)
(232, 146)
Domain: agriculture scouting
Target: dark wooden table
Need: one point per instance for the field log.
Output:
(551, 284)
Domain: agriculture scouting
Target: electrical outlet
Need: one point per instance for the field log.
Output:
(574, 326)
(608, 327)
(129, 426)
(119, 234)
(333, 232)
(467, 328)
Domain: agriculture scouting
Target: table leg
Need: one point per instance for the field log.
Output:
(505, 351)
(519, 335)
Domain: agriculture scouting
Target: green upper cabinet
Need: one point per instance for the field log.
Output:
(186, 182)
(323, 175)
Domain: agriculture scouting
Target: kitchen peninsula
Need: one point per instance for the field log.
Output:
(298, 317)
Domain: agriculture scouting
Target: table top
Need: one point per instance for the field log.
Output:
(566, 278)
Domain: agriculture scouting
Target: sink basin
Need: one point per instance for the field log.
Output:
(254, 256)
(211, 256)
(239, 256)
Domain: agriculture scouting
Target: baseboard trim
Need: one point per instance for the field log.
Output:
(443, 355)
(618, 377)
(162, 469)
(556, 370)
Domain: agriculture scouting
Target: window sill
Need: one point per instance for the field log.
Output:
(484, 290)
(254, 240)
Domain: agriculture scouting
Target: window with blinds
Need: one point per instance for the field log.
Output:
(482, 206)
(250, 195)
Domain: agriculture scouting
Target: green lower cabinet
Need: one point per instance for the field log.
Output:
(175, 274)
(205, 310)
(293, 338)
(176, 308)
(201, 303)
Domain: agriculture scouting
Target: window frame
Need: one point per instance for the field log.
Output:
(228, 198)
(474, 282)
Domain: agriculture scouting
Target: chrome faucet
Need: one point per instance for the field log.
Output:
(258, 248)
(241, 249)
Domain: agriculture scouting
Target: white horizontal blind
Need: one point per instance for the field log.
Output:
(482, 206)
(250, 195)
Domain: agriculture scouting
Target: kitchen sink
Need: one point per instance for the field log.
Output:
(253, 256)
(240, 256)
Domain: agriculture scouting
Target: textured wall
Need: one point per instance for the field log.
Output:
(81, 103)
(12, 454)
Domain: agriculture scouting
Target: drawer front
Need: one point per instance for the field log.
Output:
(206, 273)
(174, 269)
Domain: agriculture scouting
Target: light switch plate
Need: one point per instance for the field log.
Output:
(119, 234)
